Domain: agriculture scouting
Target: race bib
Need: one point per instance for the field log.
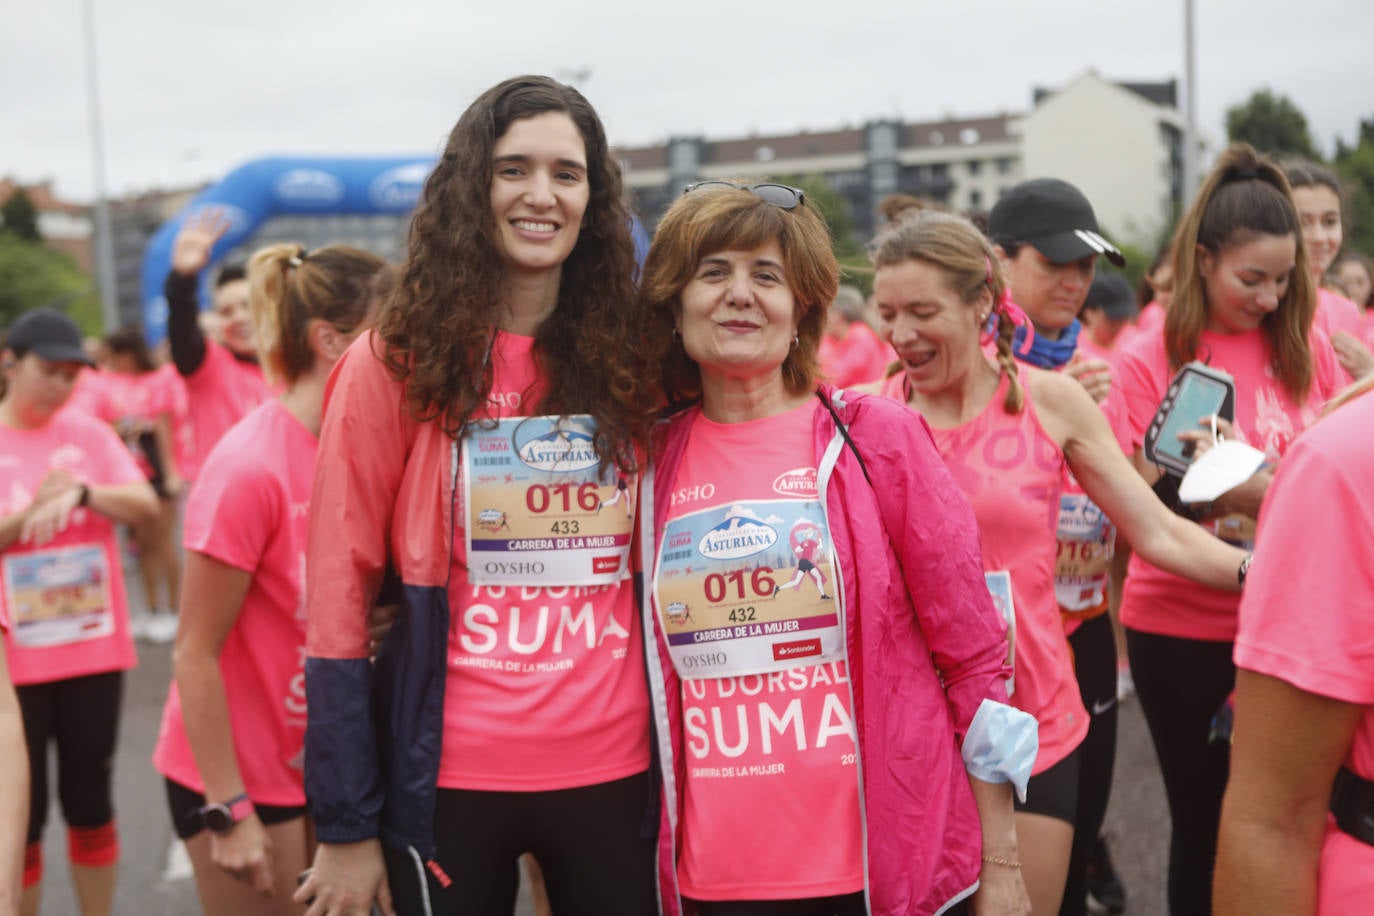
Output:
(537, 510)
(749, 588)
(1082, 565)
(1237, 529)
(58, 597)
(999, 584)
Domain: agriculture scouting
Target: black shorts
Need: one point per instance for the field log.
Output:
(1053, 793)
(805, 566)
(185, 805)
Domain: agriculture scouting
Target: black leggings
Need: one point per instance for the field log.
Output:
(1094, 654)
(842, 905)
(82, 715)
(587, 841)
(1181, 684)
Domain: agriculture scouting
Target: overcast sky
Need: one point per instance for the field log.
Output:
(190, 89)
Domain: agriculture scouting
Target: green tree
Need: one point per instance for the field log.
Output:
(1356, 167)
(19, 216)
(32, 276)
(835, 209)
(1271, 123)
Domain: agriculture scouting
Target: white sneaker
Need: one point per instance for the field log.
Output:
(161, 628)
(138, 625)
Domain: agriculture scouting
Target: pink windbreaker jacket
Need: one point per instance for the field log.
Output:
(916, 612)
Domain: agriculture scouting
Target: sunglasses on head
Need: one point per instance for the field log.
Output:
(783, 196)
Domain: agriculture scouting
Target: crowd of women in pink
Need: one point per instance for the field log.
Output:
(707, 585)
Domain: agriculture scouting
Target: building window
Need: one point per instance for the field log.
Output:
(975, 167)
(975, 199)
(1004, 166)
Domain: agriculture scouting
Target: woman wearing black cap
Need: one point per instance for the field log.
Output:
(1048, 241)
(64, 479)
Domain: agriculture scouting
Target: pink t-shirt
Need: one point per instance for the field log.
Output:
(219, 394)
(1307, 616)
(1367, 329)
(1266, 417)
(65, 599)
(249, 509)
(91, 393)
(1012, 473)
(1150, 319)
(1337, 313)
(775, 749)
(138, 401)
(861, 357)
(545, 685)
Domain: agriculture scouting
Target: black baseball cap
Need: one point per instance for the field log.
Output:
(1055, 218)
(50, 334)
(1112, 295)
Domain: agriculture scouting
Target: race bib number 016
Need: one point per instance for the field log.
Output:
(538, 510)
(748, 589)
(58, 597)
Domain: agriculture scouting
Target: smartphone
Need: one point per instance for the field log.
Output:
(1197, 391)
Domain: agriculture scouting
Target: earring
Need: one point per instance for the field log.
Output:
(796, 341)
(677, 334)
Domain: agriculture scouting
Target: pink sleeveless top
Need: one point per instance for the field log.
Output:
(1011, 471)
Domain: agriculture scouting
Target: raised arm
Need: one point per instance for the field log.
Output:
(190, 255)
(1161, 537)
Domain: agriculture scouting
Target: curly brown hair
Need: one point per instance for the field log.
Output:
(439, 323)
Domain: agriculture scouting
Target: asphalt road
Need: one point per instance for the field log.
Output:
(155, 879)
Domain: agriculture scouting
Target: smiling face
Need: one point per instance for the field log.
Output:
(1319, 210)
(235, 322)
(737, 314)
(1245, 283)
(539, 191)
(934, 331)
(1051, 294)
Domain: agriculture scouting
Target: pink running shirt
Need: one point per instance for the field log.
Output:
(1337, 313)
(1307, 616)
(1266, 417)
(545, 685)
(83, 628)
(219, 394)
(771, 799)
(249, 510)
(1012, 473)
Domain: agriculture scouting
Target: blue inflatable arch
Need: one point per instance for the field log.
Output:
(257, 191)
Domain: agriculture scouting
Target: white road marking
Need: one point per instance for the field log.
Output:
(178, 866)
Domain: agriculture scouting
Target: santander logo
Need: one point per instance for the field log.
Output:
(798, 482)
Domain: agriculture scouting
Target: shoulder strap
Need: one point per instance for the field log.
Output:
(844, 431)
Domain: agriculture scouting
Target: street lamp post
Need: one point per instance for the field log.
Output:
(1190, 137)
(104, 240)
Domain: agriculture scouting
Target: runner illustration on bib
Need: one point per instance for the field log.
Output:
(807, 540)
(533, 492)
(726, 608)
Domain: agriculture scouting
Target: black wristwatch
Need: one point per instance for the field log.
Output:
(221, 817)
(85, 498)
(1244, 569)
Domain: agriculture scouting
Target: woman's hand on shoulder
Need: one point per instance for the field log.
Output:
(345, 881)
(1095, 375)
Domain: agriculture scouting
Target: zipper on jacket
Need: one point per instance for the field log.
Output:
(827, 465)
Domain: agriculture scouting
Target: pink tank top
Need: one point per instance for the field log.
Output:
(1012, 472)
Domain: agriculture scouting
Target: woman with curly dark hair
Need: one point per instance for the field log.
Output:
(467, 448)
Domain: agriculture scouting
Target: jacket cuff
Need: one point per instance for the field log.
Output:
(1001, 745)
